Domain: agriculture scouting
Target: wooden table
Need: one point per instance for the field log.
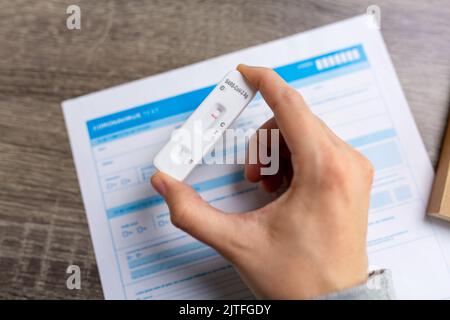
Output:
(43, 227)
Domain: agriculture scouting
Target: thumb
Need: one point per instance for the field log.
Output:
(192, 214)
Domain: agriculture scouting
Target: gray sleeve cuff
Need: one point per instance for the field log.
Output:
(379, 286)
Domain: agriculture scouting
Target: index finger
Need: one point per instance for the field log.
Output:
(297, 123)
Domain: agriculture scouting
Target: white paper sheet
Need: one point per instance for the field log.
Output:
(345, 74)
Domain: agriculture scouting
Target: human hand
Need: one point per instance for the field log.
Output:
(311, 240)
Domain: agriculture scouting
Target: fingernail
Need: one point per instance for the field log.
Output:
(159, 185)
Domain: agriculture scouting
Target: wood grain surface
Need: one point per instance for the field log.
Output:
(43, 227)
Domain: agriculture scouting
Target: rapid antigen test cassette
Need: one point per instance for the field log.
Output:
(197, 136)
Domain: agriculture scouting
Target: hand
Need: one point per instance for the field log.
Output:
(312, 239)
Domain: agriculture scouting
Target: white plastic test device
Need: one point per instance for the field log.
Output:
(198, 135)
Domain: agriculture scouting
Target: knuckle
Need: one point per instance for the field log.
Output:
(342, 172)
(336, 172)
(344, 169)
(334, 169)
(178, 215)
(175, 219)
(266, 77)
(367, 168)
(289, 95)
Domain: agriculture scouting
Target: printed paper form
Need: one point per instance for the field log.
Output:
(345, 74)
